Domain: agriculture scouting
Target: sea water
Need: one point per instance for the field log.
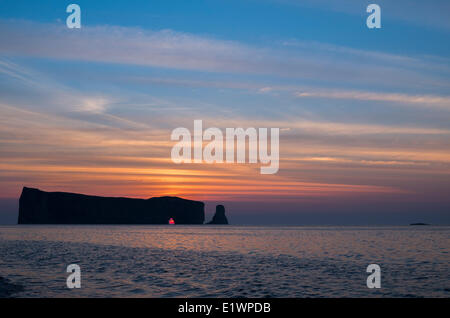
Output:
(224, 261)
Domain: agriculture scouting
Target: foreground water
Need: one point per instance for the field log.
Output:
(226, 261)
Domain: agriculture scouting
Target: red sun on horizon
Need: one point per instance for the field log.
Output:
(171, 221)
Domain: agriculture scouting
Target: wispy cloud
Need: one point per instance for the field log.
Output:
(427, 101)
(178, 50)
(126, 45)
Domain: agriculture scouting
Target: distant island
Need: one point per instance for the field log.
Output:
(420, 224)
(40, 207)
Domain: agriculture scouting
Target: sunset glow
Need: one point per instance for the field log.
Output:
(362, 122)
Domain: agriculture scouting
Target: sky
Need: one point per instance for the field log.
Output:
(364, 114)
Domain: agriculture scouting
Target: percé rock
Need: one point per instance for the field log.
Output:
(39, 207)
(219, 217)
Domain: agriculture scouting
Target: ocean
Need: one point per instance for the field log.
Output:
(224, 261)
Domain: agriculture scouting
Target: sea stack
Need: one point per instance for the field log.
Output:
(219, 217)
(39, 207)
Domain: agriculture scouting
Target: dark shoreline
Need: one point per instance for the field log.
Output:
(8, 289)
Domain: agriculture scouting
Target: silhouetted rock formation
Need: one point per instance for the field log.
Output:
(39, 207)
(219, 217)
(419, 224)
